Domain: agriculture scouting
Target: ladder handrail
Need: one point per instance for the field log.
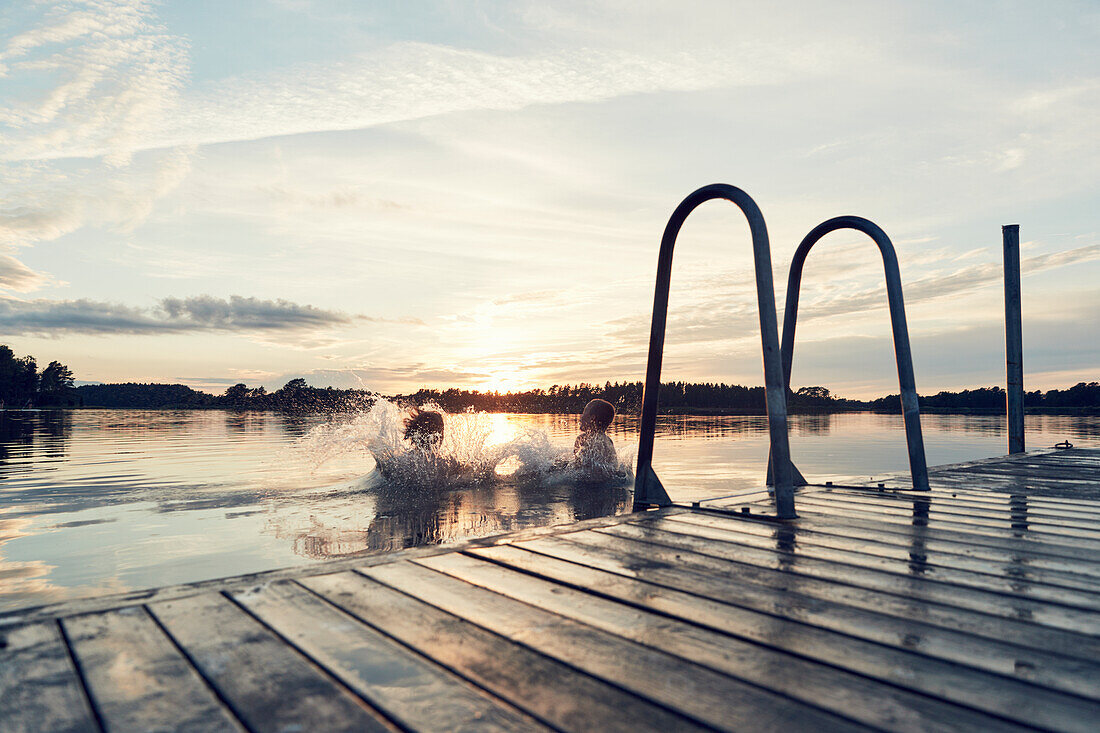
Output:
(647, 487)
(918, 467)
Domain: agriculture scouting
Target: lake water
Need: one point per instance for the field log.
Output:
(104, 501)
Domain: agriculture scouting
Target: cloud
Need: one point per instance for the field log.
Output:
(104, 18)
(409, 80)
(111, 74)
(717, 313)
(99, 76)
(14, 275)
(399, 82)
(247, 314)
(203, 313)
(941, 284)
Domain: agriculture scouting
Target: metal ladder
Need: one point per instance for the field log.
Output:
(903, 355)
(648, 489)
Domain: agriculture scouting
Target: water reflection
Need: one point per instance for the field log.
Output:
(1018, 569)
(786, 544)
(408, 517)
(708, 426)
(918, 551)
(18, 429)
(812, 424)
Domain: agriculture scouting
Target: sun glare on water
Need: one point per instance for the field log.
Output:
(502, 429)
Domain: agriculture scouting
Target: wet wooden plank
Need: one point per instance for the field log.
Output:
(856, 611)
(1007, 579)
(1061, 473)
(873, 502)
(40, 689)
(137, 677)
(412, 691)
(915, 515)
(1022, 461)
(267, 684)
(1003, 537)
(1071, 494)
(553, 692)
(844, 693)
(1052, 485)
(709, 697)
(1068, 618)
(1009, 540)
(951, 553)
(1054, 460)
(1064, 541)
(1050, 509)
(1072, 534)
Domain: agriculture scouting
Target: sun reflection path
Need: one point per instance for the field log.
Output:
(502, 429)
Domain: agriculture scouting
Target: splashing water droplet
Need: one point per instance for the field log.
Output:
(472, 450)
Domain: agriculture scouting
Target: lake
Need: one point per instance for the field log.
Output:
(103, 501)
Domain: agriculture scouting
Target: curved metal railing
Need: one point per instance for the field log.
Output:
(918, 468)
(648, 489)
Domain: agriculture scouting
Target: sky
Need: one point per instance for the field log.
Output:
(394, 195)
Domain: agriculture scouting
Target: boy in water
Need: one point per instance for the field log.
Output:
(593, 451)
(424, 429)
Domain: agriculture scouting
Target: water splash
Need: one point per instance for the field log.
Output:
(474, 450)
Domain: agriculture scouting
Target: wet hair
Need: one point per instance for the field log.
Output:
(424, 428)
(597, 414)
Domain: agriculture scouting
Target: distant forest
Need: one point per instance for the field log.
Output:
(627, 397)
(22, 385)
(989, 399)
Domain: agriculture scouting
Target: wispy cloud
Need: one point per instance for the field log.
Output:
(944, 283)
(722, 308)
(402, 81)
(14, 275)
(112, 76)
(90, 78)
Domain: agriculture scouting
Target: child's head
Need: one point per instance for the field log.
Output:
(424, 428)
(597, 415)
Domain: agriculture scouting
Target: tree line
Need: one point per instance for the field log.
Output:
(22, 385)
(1081, 395)
(294, 396)
(627, 397)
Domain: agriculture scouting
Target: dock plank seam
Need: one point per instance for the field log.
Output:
(198, 670)
(93, 705)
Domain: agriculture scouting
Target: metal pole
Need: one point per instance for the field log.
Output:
(918, 467)
(647, 487)
(1014, 340)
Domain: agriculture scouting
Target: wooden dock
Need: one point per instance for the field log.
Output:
(975, 606)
